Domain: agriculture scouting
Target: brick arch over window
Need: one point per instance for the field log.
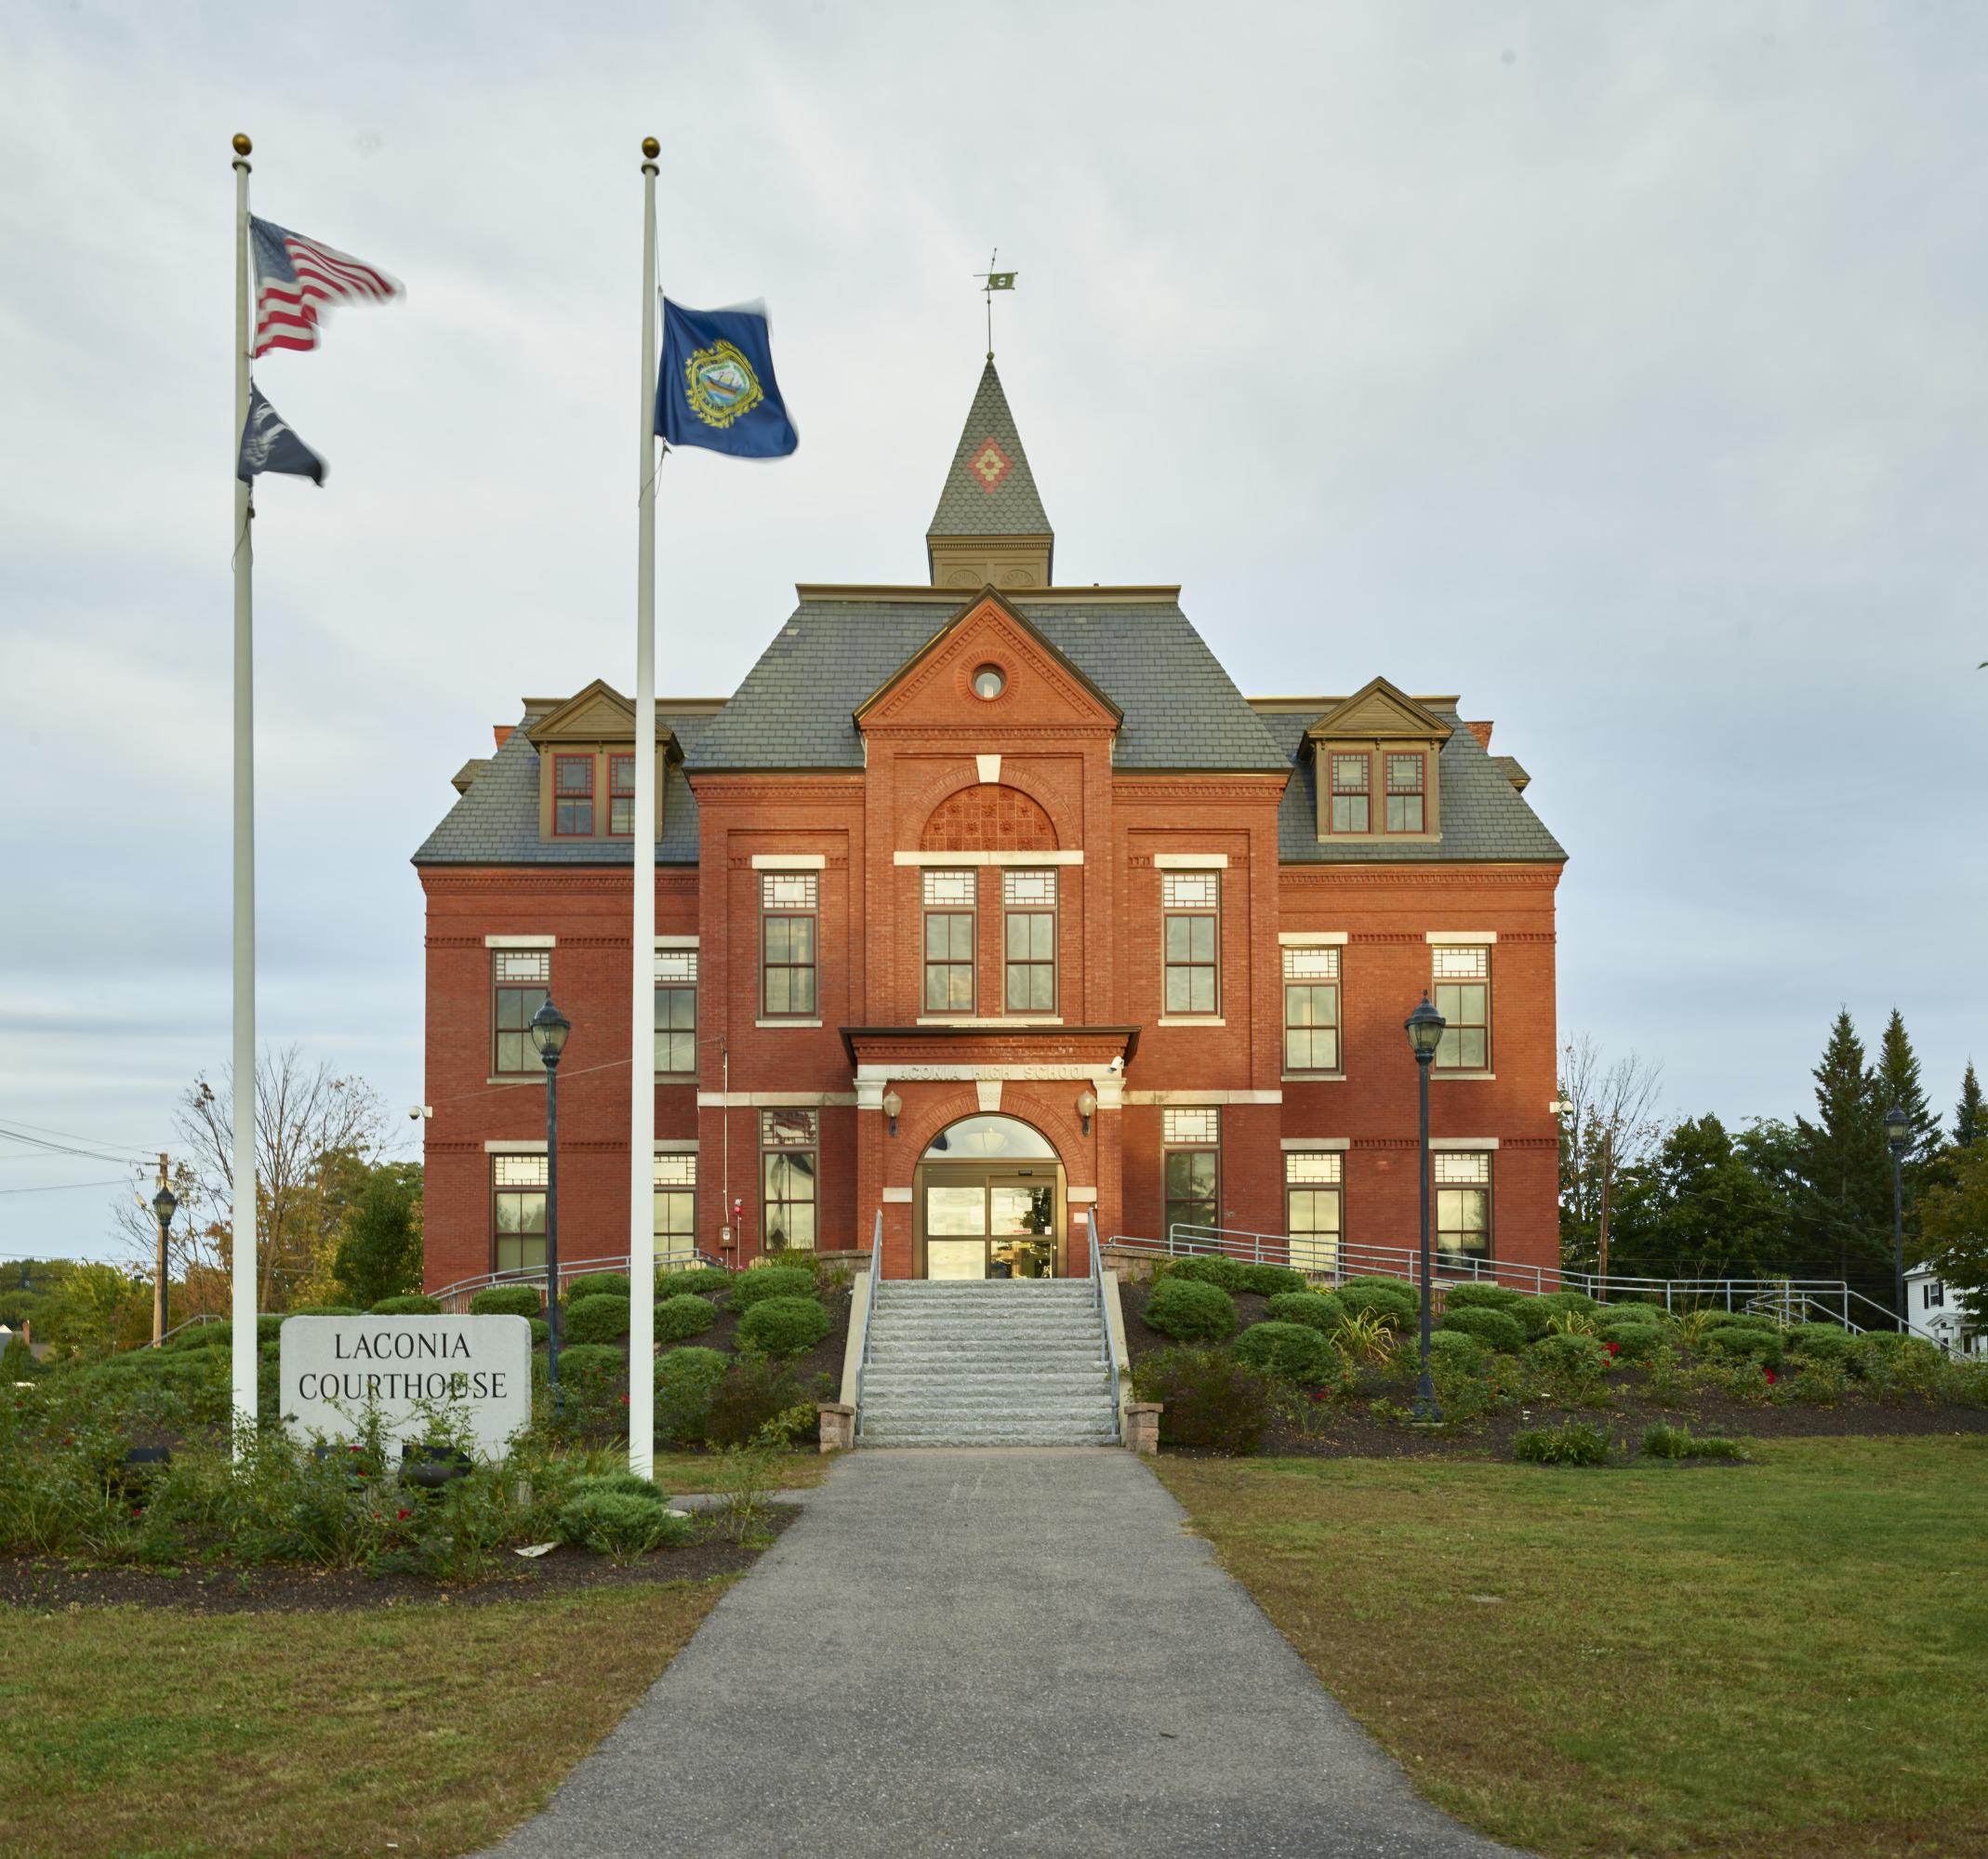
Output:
(989, 819)
(1027, 1102)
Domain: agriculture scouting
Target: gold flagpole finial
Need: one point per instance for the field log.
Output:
(243, 146)
(651, 148)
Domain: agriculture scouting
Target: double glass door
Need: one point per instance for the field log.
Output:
(987, 1224)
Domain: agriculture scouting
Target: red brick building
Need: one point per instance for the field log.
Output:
(987, 903)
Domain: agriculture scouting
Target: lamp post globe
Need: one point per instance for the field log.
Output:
(549, 1031)
(1898, 1139)
(1424, 1030)
(165, 1204)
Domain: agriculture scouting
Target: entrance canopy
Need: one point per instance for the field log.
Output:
(989, 1138)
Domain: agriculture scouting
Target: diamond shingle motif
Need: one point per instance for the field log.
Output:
(989, 465)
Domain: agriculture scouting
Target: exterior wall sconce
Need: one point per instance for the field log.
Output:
(893, 1103)
(1087, 1107)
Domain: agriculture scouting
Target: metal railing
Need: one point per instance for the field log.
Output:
(1329, 1262)
(869, 1321)
(454, 1298)
(1104, 1322)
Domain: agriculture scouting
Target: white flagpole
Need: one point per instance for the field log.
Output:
(241, 1304)
(641, 1066)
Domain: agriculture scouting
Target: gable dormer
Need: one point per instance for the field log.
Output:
(587, 767)
(1375, 755)
(988, 668)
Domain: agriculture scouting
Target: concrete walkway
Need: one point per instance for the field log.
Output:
(959, 1652)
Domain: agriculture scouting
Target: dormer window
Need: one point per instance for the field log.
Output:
(1407, 785)
(1377, 756)
(621, 796)
(589, 763)
(573, 796)
(1352, 784)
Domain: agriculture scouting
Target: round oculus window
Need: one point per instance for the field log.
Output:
(988, 682)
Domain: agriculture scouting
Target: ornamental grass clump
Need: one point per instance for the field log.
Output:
(1319, 1311)
(1575, 1443)
(1285, 1351)
(1366, 1335)
(784, 1326)
(1495, 1329)
(771, 1280)
(1209, 1399)
(600, 1319)
(682, 1316)
(1191, 1310)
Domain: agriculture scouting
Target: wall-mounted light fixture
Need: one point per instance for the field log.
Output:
(893, 1103)
(1087, 1107)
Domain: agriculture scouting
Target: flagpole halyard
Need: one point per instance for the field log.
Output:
(242, 1299)
(648, 779)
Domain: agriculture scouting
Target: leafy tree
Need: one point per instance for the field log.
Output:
(94, 1310)
(1609, 1125)
(379, 1237)
(1700, 1210)
(1954, 1222)
(1970, 1116)
(1843, 1217)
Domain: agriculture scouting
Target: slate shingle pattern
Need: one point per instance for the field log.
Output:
(966, 507)
(1483, 818)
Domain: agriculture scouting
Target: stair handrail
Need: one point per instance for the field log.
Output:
(534, 1275)
(869, 1321)
(1104, 1322)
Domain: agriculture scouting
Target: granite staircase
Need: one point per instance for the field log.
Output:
(987, 1362)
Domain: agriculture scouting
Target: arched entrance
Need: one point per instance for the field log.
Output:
(989, 1202)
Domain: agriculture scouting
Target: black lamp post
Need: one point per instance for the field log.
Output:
(1424, 1030)
(550, 1028)
(165, 1203)
(1898, 1139)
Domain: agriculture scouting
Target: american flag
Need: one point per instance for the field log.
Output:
(299, 279)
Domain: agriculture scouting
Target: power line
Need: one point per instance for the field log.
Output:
(65, 1186)
(71, 1135)
(41, 1145)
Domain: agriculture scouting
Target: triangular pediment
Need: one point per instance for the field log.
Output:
(597, 714)
(1379, 713)
(1040, 684)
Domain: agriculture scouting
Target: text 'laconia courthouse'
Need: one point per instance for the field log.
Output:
(1020, 861)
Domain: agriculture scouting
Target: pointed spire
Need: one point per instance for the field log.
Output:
(990, 526)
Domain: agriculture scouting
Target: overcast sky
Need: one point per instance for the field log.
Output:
(1620, 367)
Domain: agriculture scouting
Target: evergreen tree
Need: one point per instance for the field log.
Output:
(1843, 1219)
(1898, 1083)
(1700, 1209)
(1970, 1115)
(379, 1245)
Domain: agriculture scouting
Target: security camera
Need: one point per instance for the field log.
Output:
(1118, 1064)
(417, 1111)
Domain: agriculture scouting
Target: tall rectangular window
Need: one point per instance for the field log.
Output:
(676, 1013)
(1191, 919)
(1311, 1008)
(573, 796)
(950, 897)
(1191, 1155)
(790, 1171)
(1352, 793)
(621, 796)
(517, 1212)
(1029, 940)
(676, 1210)
(1463, 1205)
(1312, 1212)
(1461, 981)
(789, 933)
(1407, 780)
(520, 980)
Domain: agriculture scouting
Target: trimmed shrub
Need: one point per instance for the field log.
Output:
(755, 1391)
(220, 1335)
(1495, 1329)
(597, 1284)
(597, 1319)
(619, 1525)
(1227, 1274)
(1318, 1310)
(1534, 1316)
(1286, 1351)
(628, 1484)
(771, 1280)
(682, 1316)
(338, 1310)
(1637, 1343)
(409, 1304)
(685, 1382)
(1473, 1296)
(1579, 1357)
(1210, 1399)
(1394, 1303)
(1742, 1342)
(703, 1281)
(1576, 1443)
(1740, 1320)
(1568, 1300)
(784, 1326)
(1817, 1342)
(1191, 1310)
(1272, 1280)
(542, 1332)
(508, 1300)
(590, 1370)
(1458, 1350)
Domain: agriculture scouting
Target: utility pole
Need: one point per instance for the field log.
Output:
(1607, 1176)
(158, 1284)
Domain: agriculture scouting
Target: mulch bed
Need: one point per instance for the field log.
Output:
(266, 1587)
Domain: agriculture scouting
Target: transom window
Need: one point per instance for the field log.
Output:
(1190, 914)
(676, 1209)
(950, 897)
(1191, 1155)
(573, 796)
(1311, 1008)
(789, 930)
(517, 1212)
(621, 796)
(789, 1167)
(1462, 1205)
(1313, 1215)
(676, 1013)
(1352, 793)
(520, 980)
(1407, 776)
(1461, 981)
(1028, 932)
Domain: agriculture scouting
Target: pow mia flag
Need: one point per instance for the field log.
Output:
(269, 446)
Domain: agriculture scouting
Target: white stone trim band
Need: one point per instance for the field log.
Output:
(897, 1197)
(502, 1146)
(1463, 1142)
(676, 1146)
(956, 858)
(789, 861)
(676, 942)
(1469, 938)
(521, 942)
(771, 1100)
(1311, 939)
(1080, 1197)
(1315, 1143)
(1194, 1098)
(1190, 862)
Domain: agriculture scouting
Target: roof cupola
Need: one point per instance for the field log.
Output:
(990, 528)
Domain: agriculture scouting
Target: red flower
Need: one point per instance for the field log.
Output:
(1322, 1394)
(1772, 1375)
(135, 1510)
(403, 1515)
(1613, 1348)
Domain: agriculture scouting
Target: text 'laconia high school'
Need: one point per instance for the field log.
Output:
(988, 904)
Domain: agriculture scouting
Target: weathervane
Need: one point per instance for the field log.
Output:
(992, 281)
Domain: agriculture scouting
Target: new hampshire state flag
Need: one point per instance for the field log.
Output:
(717, 388)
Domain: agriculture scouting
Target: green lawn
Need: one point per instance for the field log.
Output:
(1784, 1658)
(431, 1728)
